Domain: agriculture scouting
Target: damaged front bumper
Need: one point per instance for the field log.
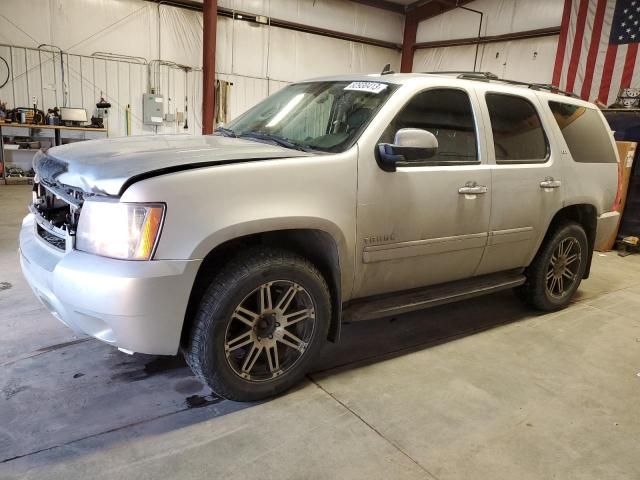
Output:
(138, 306)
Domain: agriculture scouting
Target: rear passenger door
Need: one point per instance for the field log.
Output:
(526, 178)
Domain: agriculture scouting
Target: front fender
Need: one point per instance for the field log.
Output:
(209, 206)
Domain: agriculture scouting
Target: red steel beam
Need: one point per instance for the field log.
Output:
(435, 8)
(412, 18)
(408, 43)
(382, 4)
(210, 20)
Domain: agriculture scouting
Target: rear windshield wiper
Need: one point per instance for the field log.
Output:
(268, 137)
(226, 132)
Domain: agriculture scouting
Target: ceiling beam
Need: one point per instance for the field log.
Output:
(382, 4)
(422, 11)
(539, 32)
(275, 22)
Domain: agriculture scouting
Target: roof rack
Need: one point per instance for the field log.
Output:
(488, 77)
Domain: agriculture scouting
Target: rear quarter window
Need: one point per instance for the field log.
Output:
(587, 135)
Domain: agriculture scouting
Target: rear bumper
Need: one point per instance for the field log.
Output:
(137, 306)
(607, 225)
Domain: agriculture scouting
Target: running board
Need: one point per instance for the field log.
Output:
(409, 301)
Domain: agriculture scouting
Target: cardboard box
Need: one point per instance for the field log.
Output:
(627, 153)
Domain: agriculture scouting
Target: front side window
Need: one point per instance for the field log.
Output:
(446, 113)
(517, 131)
(325, 116)
(587, 136)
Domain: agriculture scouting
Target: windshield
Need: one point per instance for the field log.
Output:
(326, 116)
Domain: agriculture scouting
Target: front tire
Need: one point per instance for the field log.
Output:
(555, 274)
(260, 324)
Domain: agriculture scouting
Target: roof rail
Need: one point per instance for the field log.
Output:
(488, 77)
(468, 74)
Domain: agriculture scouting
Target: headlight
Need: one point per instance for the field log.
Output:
(127, 231)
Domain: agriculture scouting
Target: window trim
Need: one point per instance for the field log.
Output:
(438, 163)
(544, 132)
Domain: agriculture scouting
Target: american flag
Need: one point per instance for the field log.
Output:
(598, 48)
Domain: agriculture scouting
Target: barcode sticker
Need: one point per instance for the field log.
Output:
(371, 87)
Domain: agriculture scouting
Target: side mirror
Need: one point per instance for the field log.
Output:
(409, 145)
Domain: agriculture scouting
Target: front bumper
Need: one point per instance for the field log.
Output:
(134, 305)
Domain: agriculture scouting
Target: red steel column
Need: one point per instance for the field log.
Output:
(210, 10)
(408, 41)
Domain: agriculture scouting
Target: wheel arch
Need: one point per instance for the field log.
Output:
(318, 246)
(585, 215)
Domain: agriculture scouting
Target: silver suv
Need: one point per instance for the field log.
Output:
(343, 198)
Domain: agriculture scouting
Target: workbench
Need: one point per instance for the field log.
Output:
(56, 134)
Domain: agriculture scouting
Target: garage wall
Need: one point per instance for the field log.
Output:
(258, 59)
(527, 60)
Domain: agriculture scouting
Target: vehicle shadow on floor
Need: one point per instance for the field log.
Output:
(364, 343)
(162, 394)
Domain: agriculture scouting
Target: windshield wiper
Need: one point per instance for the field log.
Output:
(268, 137)
(226, 132)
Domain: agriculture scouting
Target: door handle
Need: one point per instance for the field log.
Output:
(549, 182)
(472, 188)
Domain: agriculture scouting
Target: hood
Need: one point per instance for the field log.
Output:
(108, 167)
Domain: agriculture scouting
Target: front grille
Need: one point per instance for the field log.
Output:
(53, 240)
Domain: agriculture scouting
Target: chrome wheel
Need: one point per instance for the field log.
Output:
(270, 330)
(562, 273)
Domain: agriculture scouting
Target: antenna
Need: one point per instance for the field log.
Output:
(387, 70)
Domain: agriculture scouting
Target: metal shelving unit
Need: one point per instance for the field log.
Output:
(55, 134)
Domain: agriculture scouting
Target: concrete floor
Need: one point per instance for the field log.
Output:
(483, 389)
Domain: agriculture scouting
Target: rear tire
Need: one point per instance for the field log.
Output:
(260, 325)
(555, 274)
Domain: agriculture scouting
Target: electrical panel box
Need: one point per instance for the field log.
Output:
(152, 109)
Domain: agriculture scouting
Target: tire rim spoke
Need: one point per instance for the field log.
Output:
(265, 298)
(571, 259)
(272, 358)
(251, 357)
(240, 341)
(285, 300)
(293, 318)
(245, 316)
(291, 340)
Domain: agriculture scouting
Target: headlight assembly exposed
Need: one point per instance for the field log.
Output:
(127, 231)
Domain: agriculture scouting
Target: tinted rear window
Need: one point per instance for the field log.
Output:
(517, 132)
(587, 136)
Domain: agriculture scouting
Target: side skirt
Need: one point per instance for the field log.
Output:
(398, 303)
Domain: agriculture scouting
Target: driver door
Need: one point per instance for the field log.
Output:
(414, 226)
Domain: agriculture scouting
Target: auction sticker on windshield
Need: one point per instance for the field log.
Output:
(372, 87)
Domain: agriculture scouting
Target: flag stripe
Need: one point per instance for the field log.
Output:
(593, 48)
(629, 65)
(602, 52)
(607, 73)
(577, 44)
(618, 70)
(562, 42)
